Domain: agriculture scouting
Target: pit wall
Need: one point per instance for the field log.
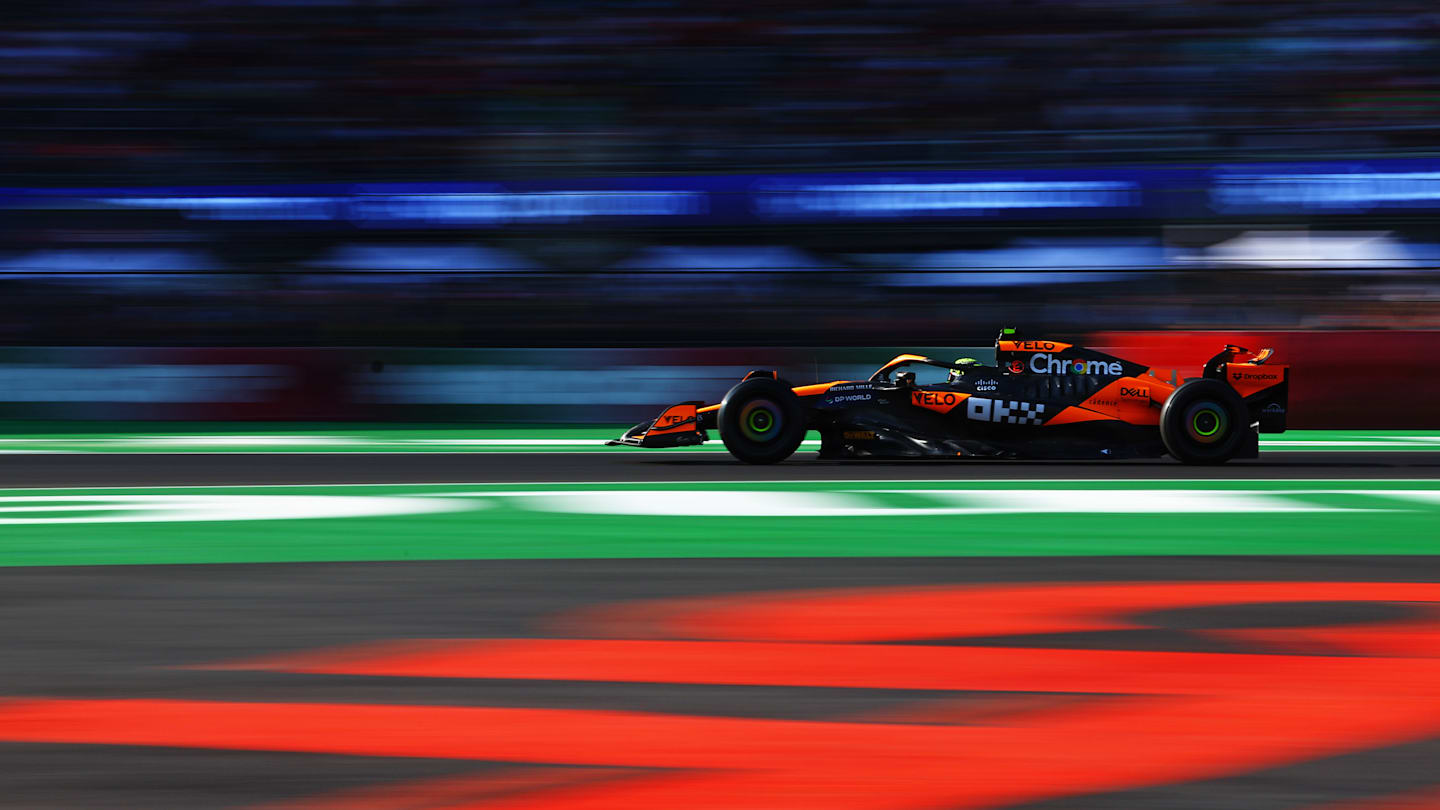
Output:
(1338, 379)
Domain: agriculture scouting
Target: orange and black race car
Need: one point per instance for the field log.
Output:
(1042, 399)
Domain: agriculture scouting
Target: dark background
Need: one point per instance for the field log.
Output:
(207, 174)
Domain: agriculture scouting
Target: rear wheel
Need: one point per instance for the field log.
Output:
(761, 421)
(1204, 422)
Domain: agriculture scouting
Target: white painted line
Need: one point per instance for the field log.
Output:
(257, 440)
(9, 510)
(1424, 496)
(859, 503)
(710, 503)
(843, 503)
(63, 509)
(187, 508)
(1113, 501)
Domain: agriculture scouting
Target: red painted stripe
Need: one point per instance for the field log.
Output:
(853, 666)
(1165, 716)
(890, 614)
(1103, 746)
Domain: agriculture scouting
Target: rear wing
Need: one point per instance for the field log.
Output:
(1264, 387)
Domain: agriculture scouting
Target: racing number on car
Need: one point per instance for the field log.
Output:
(1064, 721)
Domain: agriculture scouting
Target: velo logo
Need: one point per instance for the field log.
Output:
(938, 401)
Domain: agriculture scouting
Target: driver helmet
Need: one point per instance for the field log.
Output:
(956, 374)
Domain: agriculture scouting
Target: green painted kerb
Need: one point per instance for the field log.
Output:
(741, 519)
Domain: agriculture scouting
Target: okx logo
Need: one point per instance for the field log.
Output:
(1007, 411)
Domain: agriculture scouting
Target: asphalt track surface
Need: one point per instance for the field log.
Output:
(233, 469)
(131, 637)
(103, 653)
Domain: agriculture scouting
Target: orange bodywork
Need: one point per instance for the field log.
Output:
(904, 358)
(1135, 400)
(812, 390)
(800, 391)
(1249, 378)
(937, 401)
(675, 418)
(1074, 414)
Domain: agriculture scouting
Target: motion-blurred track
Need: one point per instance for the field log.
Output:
(478, 683)
(1290, 679)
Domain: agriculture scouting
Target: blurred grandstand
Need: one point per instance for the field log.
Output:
(287, 90)
(439, 172)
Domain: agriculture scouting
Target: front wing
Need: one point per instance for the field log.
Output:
(678, 426)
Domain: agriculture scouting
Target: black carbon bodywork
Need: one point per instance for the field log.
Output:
(887, 423)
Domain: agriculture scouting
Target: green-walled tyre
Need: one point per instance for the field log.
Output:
(761, 421)
(1204, 422)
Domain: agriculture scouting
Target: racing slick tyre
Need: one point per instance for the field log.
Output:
(1204, 422)
(761, 421)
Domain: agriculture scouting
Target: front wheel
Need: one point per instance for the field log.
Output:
(1204, 422)
(761, 421)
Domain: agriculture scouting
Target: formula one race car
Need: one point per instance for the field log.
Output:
(1042, 399)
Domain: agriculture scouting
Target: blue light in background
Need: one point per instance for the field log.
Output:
(1159, 192)
(1324, 191)
(920, 199)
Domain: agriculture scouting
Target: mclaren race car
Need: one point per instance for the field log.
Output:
(1042, 399)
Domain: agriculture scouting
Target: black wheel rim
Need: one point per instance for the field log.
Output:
(761, 421)
(1207, 422)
